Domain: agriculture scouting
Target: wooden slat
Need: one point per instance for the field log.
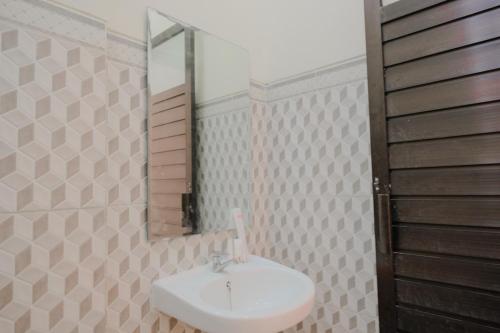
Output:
(168, 94)
(168, 158)
(168, 144)
(483, 180)
(413, 320)
(463, 302)
(159, 230)
(167, 215)
(467, 61)
(477, 119)
(405, 7)
(457, 271)
(177, 171)
(168, 186)
(479, 243)
(168, 130)
(471, 150)
(479, 212)
(457, 34)
(447, 12)
(169, 104)
(169, 116)
(479, 88)
(166, 200)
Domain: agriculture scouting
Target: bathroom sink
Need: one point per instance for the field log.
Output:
(257, 296)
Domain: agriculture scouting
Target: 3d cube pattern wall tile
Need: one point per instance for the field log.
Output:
(73, 254)
(312, 191)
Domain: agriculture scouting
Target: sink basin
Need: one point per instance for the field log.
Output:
(257, 296)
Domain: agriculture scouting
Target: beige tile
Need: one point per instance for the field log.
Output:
(35, 160)
(15, 318)
(15, 255)
(63, 278)
(6, 226)
(16, 192)
(77, 304)
(31, 225)
(94, 322)
(92, 272)
(30, 285)
(6, 290)
(47, 312)
(118, 313)
(9, 39)
(48, 251)
(8, 159)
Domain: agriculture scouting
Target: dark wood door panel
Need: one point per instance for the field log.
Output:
(482, 180)
(476, 119)
(405, 7)
(467, 61)
(478, 28)
(477, 243)
(475, 89)
(434, 93)
(418, 321)
(474, 212)
(451, 270)
(471, 150)
(434, 16)
(463, 302)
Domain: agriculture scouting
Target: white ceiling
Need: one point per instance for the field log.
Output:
(284, 37)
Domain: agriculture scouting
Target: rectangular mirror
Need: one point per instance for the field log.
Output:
(198, 129)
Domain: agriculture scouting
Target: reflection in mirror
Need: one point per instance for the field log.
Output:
(199, 129)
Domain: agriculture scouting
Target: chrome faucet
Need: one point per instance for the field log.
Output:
(220, 261)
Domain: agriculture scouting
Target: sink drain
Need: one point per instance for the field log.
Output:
(228, 286)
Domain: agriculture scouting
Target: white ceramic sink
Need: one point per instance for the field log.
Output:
(257, 296)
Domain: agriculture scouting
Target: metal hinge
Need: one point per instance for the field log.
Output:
(378, 187)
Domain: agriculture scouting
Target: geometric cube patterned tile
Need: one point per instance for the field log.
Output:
(46, 270)
(73, 253)
(223, 164)
(311, 188)
(51, 126)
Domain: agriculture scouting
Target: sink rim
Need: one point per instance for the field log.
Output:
(192, 296)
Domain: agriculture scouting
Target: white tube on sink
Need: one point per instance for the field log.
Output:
(240, 230)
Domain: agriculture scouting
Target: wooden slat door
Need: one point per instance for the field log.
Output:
(434, 90)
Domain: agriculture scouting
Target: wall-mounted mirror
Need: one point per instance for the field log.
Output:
(198, 129)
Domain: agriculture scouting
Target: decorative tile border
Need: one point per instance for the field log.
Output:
(54, 19)
(126, 50)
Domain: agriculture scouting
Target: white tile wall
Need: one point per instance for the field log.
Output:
(73, 256)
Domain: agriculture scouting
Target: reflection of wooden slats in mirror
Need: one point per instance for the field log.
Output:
(170, 161)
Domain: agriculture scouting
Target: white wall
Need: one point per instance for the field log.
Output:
(284, 37)
(221, 68)
(164, 75)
